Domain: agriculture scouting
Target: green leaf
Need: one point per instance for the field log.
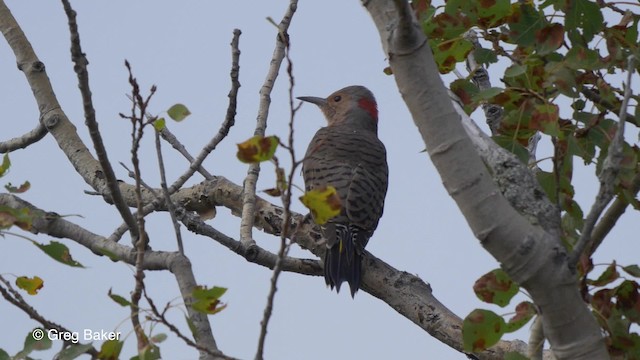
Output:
(579, 57)
(257, 149)
(515, 70)
(110, 350)
(59, 252)
(121, 300)
(160, 124)
(30, 285)
(481, 329)
(492, 13)
(525, 21)
(158, 338)
(583, 15)
(6, 164)
(39, 344)
(178, 112)
(73, 351)
(524, 312)
(485, 56)
(495, 287)
(633, 270)
(324, 203)
(207, 300)
(448, 53)
(150, 352)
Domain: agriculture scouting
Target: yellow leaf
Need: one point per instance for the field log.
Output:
(324, 203)
(30, 285)
(257, 149)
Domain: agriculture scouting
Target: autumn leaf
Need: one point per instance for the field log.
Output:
(481, 329)
(495, 287)
(30, 285)
(324, 203)
(257, 149)
(208, 300)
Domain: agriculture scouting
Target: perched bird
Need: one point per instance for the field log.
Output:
(348, 155)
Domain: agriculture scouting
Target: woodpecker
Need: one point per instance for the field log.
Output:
(348, 155)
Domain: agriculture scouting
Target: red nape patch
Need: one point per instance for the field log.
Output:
(370, 107)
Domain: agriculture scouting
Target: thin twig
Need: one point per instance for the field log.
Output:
(608, 175)
(137, 131)
(229, 119)
(286, 202)
(195, 164)
(167, 197)
(249, 196)
(160, 317)
(21, 142)
(14, 297)
(80, 61)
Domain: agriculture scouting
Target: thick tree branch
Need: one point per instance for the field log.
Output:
(51, 115)
(53, 225)
(532, 257)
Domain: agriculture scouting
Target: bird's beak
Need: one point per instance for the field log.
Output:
(314, 100)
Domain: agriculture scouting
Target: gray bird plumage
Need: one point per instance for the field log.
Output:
(348, 155)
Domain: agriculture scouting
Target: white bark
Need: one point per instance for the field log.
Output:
(532, 256)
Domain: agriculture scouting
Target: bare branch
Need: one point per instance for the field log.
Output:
(608, 174)
(167, 197)
(229, 120)
(610, 217)
(80, 61)
(249, 197)
(286, 201)
(196, 164)
(179, 265)
(594, 96)
(160, 317)
(21, 142)
(14, 297)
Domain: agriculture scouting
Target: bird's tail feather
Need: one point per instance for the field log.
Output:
(343, 260)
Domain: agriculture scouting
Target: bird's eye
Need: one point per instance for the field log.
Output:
(337, 98)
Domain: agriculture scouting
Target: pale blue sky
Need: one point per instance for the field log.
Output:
(183, 48)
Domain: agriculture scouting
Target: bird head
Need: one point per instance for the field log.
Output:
(353, 105)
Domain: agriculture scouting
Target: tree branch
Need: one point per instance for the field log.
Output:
(14, 297)
(608, 174)
(531, 256)
(80, 61)
(21, 142)
(246, 222)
